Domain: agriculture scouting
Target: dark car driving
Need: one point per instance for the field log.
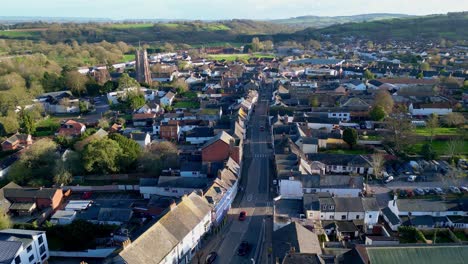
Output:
(244, 248)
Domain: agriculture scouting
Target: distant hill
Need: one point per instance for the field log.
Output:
(326, 21)
(452, 26)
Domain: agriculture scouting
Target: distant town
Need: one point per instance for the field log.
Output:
(281, 152)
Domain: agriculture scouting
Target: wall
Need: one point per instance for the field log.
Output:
(371, 217)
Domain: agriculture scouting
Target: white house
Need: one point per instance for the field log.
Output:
(23, 246)
(143, 139)
(172, 186)
(167, 99)
(178, 234)
(427, 109)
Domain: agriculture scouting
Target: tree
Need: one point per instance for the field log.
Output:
(399, 126)
(159, 156)
(453, 148)
(370, 45)
(377, 163)
(377, 113)
(428, 152)
(424, 66)
(420, 75)
(125, 81)
(35, 164)
(103, 123)
(454, 119)
(432, 124)
(61, 175)
(28, 123)
(314, 44)
(102, 156)
(368, 75)
(131, 150)
(384, 99)
(8, 125)
(135, 100)
(181, 86)
(256, 45)
(314, 102)
(350, 136)
(76, 82)
(5, 221)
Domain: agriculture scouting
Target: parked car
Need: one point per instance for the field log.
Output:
(419, 191)
(211, 258)
(464, 189)
(86, 195)
(244, 248)
(388, 179)
(428, 191)
(402, 193)
(412, 178)
(438, 191)
(454, 189)
(242, 215)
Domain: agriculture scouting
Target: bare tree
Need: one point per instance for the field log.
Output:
(377, 163)
(453, 147)
(399, 127)
(432, 124)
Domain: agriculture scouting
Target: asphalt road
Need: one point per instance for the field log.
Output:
(256, 200)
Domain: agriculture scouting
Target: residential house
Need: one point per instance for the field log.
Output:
(62, 102)
(143, 120)
(25, 200)
(179, 234)
(294, 238)
(170, 131)
(191, 169)
(16, 141)
(167, 99)
(4, 202)
(419, 109)
(220, 148)
(221, 194)
(63, 217)
(143, 139)
(71, 128)
(174, 186)
(199, 135)
(342, 163)
(23, 246)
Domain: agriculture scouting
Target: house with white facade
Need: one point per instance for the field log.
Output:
(178, 232)
(173, 186)
(417, 109)
(23, 246)
(143, 139)
(167, 99)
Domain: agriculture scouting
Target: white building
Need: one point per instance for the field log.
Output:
(428, 109)
(175, 238)
(167, 99)
(23, 246)
(63, 217)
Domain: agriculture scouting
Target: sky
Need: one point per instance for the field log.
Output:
(223, 9)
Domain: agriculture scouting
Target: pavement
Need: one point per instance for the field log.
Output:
(255, 199)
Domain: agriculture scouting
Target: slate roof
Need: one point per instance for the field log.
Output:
(115, 214)
(183, 182)
(394, 219)
(339, 159)
(370, 204)
(201, 132)
(162, 237)
(297, 236)
(299, 258)
(46, 193)
(348, 204)
(8, 250)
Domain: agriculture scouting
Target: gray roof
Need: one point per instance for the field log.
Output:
(8, 250)
(370, 204)
(430, 205)
(223, 136)
(115, 214)
(341, 181)
(346, 226)
(340, 159)
(300, 258)
(183, 182)
(29, 193)
(297, 236)
(147, 182)
(161, 238)
(348, 204)
(394, 219)
(318, 61)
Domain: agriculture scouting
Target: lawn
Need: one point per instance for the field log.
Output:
(47, 127)
(128, 57)
(439, 146)
(440, 131)
(233, 57)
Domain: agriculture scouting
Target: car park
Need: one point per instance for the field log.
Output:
(211, 258)
(438, 191)
(244, 248)
(454, 189)
(419, 191)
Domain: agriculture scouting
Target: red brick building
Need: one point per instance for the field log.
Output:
(170, 131)
(16, 141)
(220, 148)
(42, 197)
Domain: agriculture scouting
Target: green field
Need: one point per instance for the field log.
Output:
(128, 57)
(131, 26)
(440, 131)
(19, 34)
(233, 57)
(439, 146)
(187, 104)
(202, 27)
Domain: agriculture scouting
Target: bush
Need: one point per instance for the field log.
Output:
(409, 234)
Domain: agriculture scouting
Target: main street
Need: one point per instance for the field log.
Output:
(256, 199)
